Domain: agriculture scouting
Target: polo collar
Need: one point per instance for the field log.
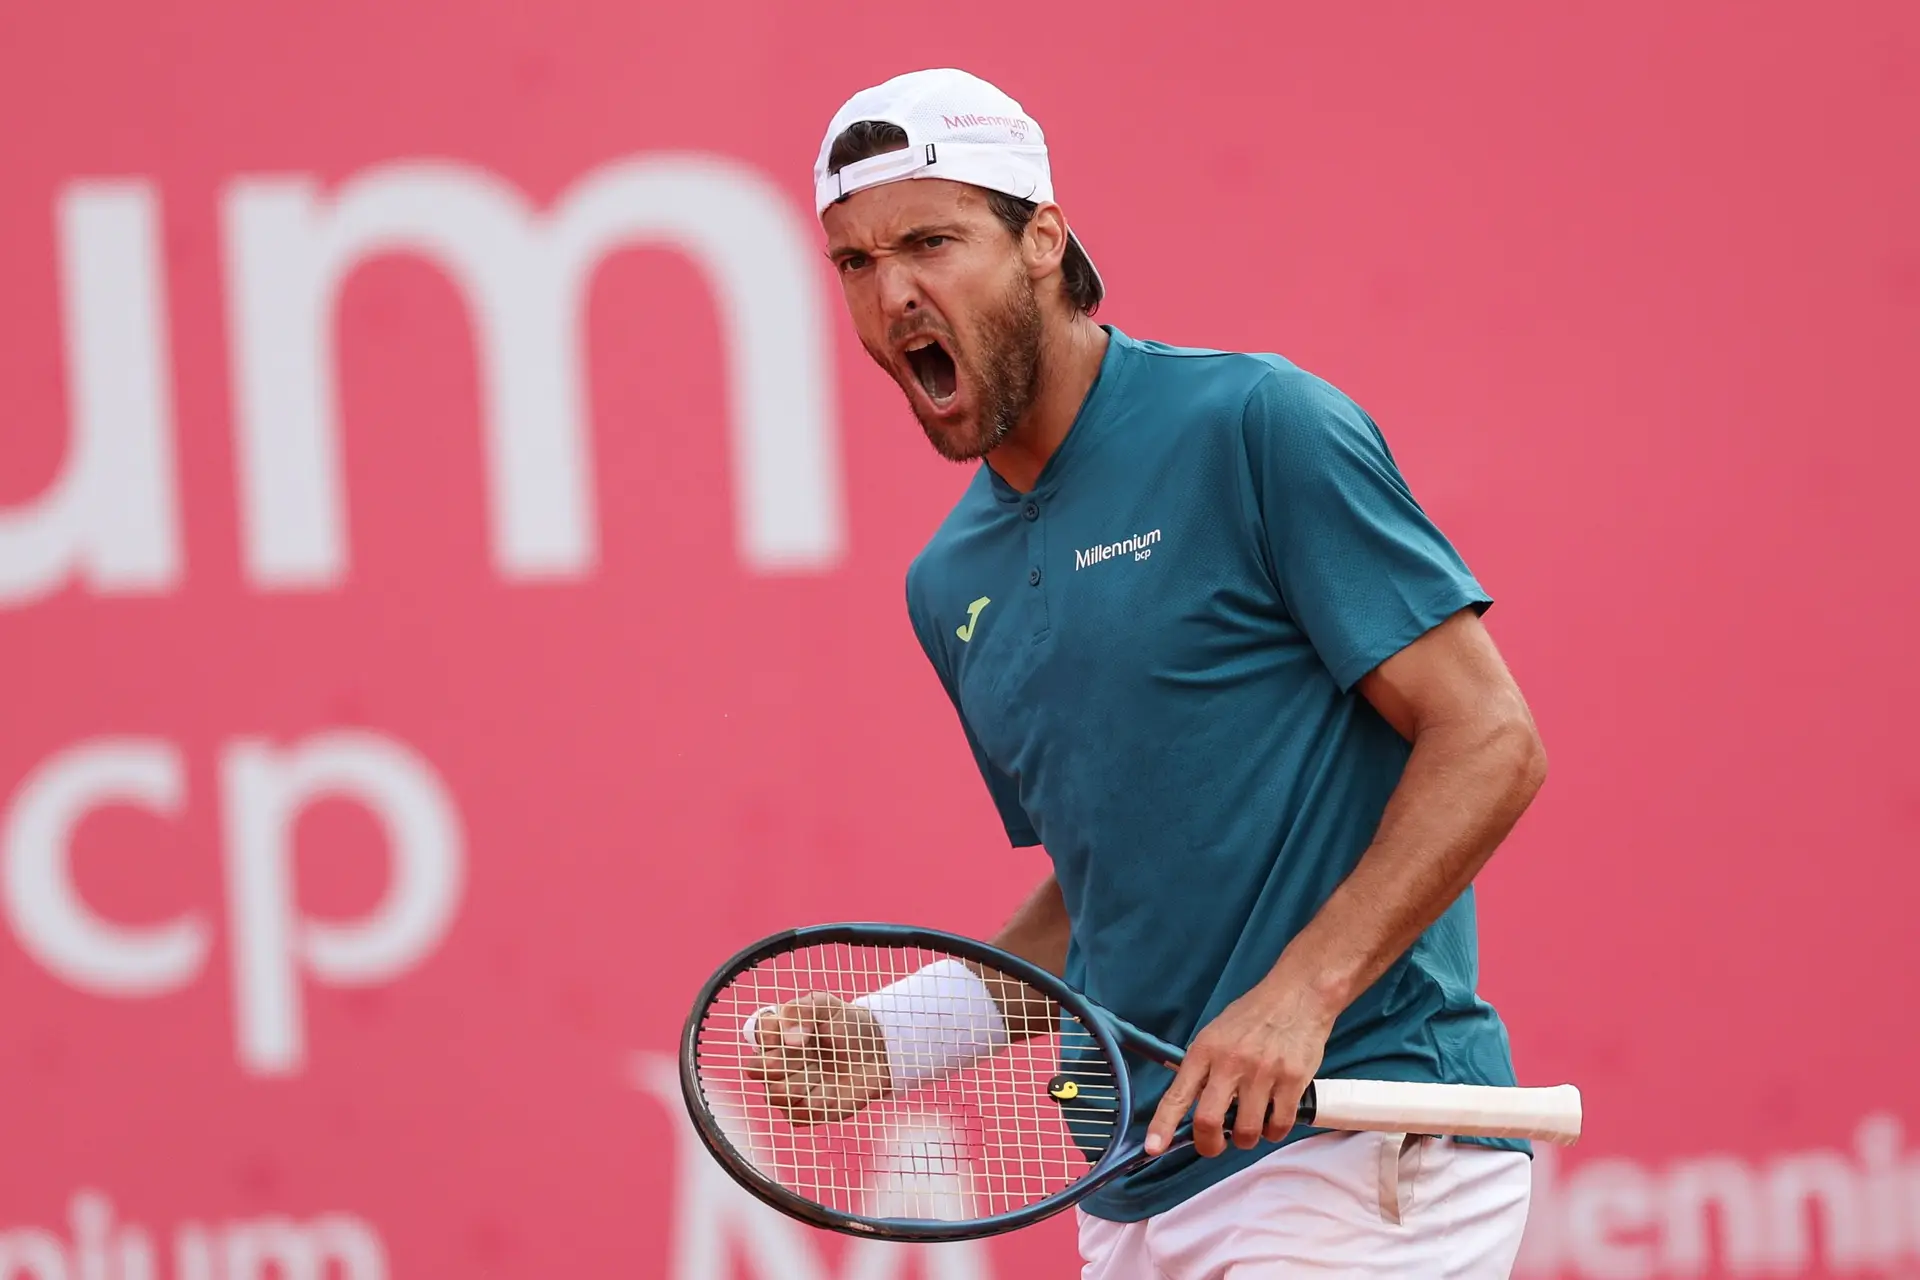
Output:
(1092, 413)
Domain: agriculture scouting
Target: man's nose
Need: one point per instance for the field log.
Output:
(899, 288)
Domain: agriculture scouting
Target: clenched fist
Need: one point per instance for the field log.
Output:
(821, 1057)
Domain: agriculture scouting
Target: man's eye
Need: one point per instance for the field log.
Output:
(933, 242)
(852, 262)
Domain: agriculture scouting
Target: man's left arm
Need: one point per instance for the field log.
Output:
(1476, 763)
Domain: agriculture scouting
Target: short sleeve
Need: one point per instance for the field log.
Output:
(1360, 567)
(1003, 789)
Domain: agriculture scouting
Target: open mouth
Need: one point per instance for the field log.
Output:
(933, 368)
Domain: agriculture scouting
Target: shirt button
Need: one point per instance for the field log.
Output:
(1033, 576)
(1032, 512)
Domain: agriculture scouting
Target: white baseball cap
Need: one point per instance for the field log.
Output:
(958, 127)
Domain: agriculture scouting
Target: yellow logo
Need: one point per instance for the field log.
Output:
(973, 615)
(1063, 1089)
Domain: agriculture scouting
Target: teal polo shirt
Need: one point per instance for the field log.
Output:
(1153, 655)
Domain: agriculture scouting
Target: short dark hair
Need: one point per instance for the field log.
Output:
(864, 139)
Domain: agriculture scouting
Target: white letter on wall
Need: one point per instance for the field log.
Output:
(44, 907)
(714, 1220)
(109, 519)
(524, 277)
(265, 791)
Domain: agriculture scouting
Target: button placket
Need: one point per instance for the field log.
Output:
(1036, 562)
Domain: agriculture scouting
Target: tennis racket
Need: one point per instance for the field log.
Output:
(908, 1084)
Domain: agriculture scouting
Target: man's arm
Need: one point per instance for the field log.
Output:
(1476, 764)
(825, 1057)
(1037, 933)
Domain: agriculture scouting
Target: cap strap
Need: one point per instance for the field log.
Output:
(888, 166)
(1016, 170)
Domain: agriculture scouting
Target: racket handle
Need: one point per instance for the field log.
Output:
(1454, 1110)
(1447, 1110)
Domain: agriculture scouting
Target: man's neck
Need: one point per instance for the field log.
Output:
(1070, 356)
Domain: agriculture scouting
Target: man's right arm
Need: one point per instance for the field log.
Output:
(1037, 933)
(932, 1021)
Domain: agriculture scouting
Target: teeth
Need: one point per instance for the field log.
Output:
(920, 346)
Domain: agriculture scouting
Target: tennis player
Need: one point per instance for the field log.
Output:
(1208, 650)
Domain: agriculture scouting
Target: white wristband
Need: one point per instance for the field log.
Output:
(937, 1020)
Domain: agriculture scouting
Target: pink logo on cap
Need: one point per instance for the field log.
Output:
(1014, 125)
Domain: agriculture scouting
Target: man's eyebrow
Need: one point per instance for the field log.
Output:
(930, 229)
(911, 234)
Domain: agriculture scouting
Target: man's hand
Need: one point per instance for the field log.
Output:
(822, 1058)
(1261, 1053)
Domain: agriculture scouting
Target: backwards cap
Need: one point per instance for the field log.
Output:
(958, 127)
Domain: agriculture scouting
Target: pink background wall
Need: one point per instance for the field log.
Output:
(1633, 290)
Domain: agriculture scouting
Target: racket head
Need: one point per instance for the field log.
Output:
(1021, 1144)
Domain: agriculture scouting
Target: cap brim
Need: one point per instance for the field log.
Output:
(1099, 284)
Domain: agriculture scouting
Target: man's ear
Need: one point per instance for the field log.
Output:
(1044, 241)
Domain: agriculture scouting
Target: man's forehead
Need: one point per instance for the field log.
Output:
(881, 213)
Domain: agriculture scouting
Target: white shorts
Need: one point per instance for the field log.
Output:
(1374, 1206)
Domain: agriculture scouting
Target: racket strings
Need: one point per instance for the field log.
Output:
(995, 1108)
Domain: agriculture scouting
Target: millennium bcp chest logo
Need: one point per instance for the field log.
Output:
(1139, 546)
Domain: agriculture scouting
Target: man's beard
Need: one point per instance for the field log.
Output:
(1004, 374)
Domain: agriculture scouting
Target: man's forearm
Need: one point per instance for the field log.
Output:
(1037, 933)
(1463, 789)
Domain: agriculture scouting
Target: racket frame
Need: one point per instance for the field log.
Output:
(1115, 1036)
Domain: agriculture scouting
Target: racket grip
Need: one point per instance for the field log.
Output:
(1454, 1110)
